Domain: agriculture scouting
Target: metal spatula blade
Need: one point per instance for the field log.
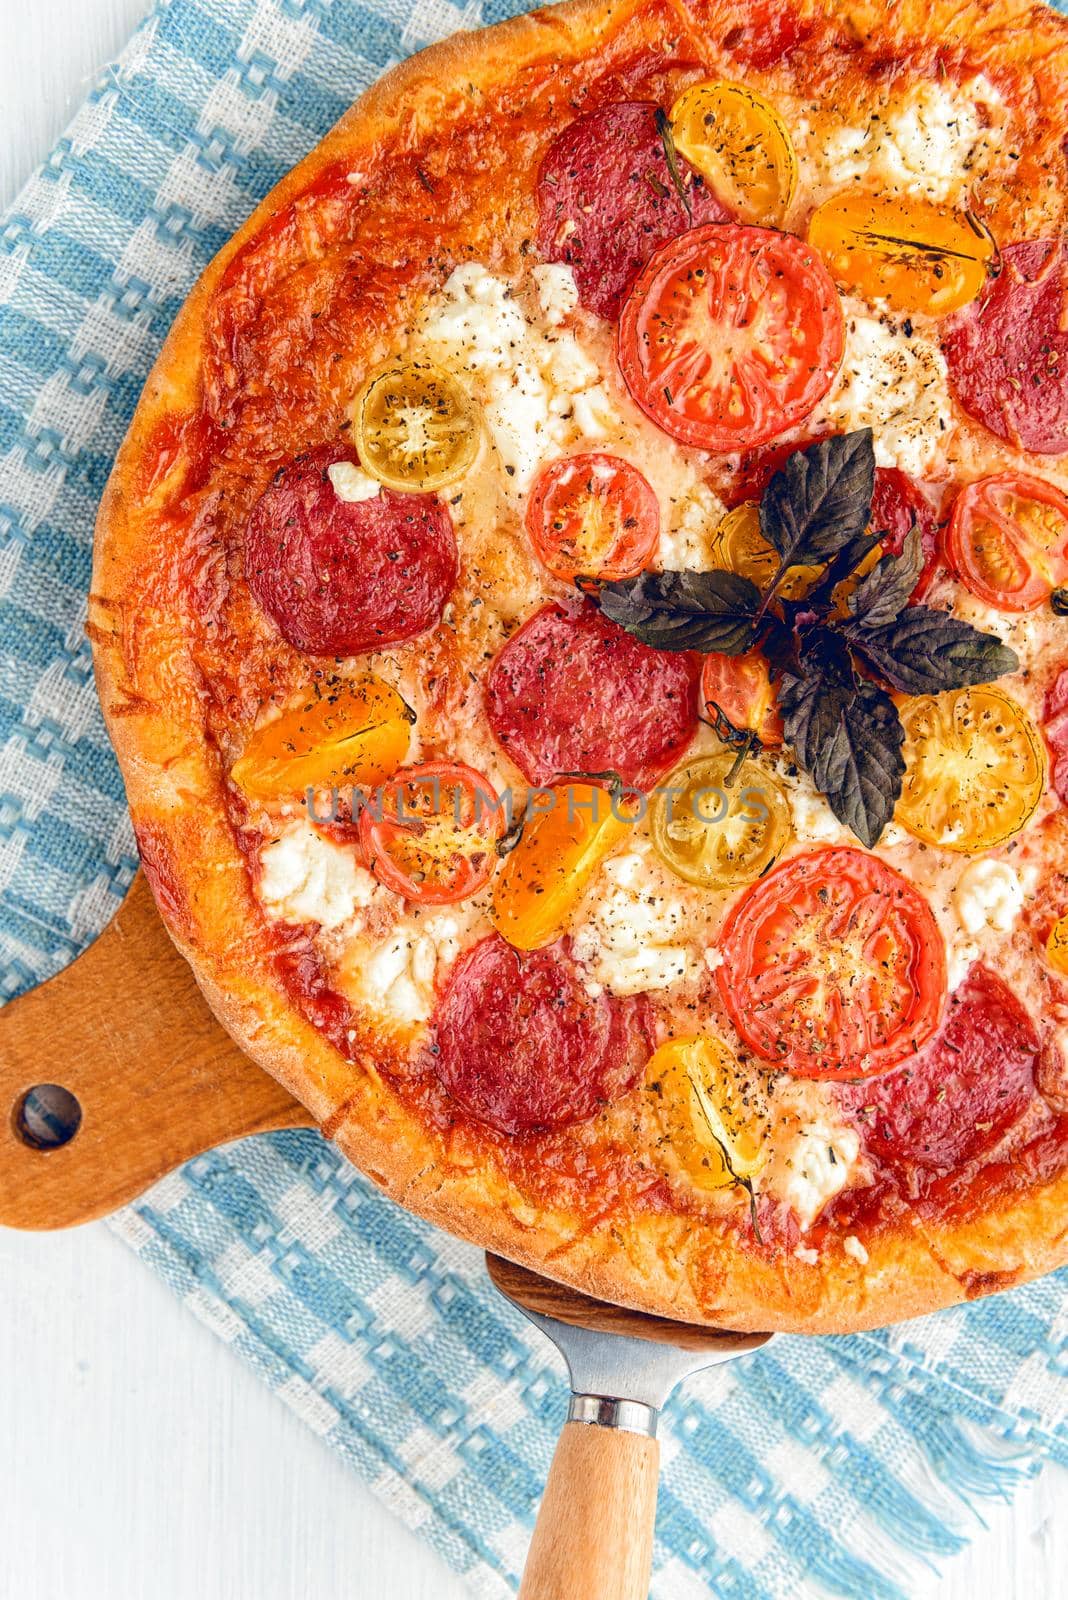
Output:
(594, 1534)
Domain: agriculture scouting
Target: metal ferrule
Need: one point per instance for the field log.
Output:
(600, 1410)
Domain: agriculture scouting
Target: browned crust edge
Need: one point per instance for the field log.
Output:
(660, 1264)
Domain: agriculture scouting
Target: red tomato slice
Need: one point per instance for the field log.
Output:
(741, 688)
(1008, 540)
(731, 335)
(593, 514)
(834, 966)
(429, 833)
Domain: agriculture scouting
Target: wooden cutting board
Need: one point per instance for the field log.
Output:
(127, 1032)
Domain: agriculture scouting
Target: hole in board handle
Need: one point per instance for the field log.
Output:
(47, 1117)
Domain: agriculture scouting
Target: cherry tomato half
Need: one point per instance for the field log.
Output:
(1008, 540)
(715, 1122)
(1057, 946)
(739, 545)
(736, 140)
(593, 514)
(429, 834)
(741, 687)
(914, 254)
(415, 428)
(834, 966)
(720, 824)
(354, 730)
(730, 336)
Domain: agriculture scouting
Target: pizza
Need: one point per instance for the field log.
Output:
(581, 611)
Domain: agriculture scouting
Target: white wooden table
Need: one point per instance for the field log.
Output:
(137, 1456)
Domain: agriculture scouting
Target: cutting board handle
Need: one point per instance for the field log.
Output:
(127, 1032)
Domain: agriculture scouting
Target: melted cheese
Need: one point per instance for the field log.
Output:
(394, 976)
(989, 894)
(352, 484)
(932, 139)
(688, 533)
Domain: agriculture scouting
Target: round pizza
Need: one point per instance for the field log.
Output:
(582, 610)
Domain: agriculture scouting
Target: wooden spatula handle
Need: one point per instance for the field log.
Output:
(126, 1030)
(594, 1535)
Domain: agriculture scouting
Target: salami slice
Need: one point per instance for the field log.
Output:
(340, 577)
(899, 504)
(1055, 728)
(572, 692)
(1008, 351)
(521, 1045)
(607, 200)
(958, 1096)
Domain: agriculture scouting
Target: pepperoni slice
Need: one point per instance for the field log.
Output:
(521, 1045)
(1008, 351)
(1055, 728)
(958, 1096)
(898, 504)
(340, 577)
(572, 692)
(606, 200)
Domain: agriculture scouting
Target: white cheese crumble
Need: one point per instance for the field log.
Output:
(630, 938)
(896, 385)
(395, 976)
(932, 140)
(687, 536)
(306, 878)
(814, 821)
(961, 954)
(539, 390)
(557, 291)
(351, 483)
(853, 1247)
(988, 894)
(815, 1154)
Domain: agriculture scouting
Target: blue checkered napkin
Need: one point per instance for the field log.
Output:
(841, 1464)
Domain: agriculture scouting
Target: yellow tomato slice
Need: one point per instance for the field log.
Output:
(719, 827)
(739, 545)
(345, 730)
(736, 140)
(714, 1121)
(975, 768)
(559, 850)
(915, 254)
(1057, 946)
(415, 427)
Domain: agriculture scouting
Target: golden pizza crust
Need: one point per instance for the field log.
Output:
(148, 685)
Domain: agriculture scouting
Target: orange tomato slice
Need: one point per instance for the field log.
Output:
(351, 730)
(916, 255)
(559, 850)
(716, 1124)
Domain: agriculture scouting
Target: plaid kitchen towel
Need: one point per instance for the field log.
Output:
(832, 1465)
